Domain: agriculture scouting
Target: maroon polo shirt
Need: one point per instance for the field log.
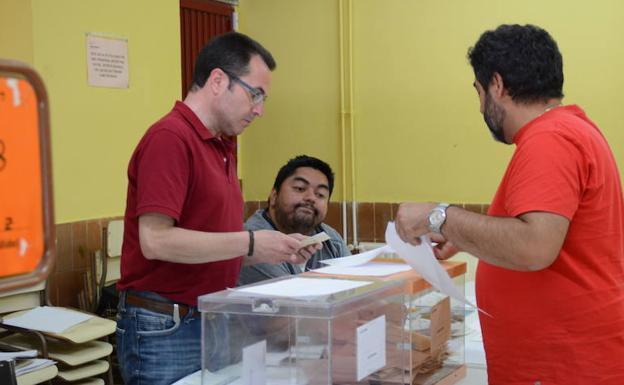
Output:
(180, 170)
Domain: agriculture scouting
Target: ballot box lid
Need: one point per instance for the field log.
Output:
(299, 296)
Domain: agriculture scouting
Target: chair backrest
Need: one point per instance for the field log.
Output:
(108, 260)
(113, 241)
(22, 299)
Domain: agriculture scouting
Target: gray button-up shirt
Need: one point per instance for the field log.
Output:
(335, 247)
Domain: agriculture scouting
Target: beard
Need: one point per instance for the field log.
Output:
(494, 116)
(297, 221)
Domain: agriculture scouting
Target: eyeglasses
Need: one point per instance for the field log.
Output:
(257, 94)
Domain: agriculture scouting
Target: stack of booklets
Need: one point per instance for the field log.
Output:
(26, 361)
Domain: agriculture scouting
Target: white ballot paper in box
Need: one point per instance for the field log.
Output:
(422, 259)
(301, 287)
(371, 269)
(358, 259)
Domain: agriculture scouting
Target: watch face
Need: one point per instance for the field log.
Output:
(436, 218)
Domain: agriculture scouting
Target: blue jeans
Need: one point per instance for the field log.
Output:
(152, 349)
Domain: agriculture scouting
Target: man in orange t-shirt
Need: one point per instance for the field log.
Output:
(551, 249)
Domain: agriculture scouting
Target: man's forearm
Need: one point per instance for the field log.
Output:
(179, 245)
(512, 243)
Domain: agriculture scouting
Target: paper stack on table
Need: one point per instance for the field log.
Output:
(30, 365)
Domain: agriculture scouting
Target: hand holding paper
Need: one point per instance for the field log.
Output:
(422, 259)
(273, 247)
(316, 238)
(442, 248)
(412, 221)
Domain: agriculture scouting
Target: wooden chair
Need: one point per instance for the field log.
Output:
(108, 269)
(107, 273)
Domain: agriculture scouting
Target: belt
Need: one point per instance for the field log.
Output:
(155, 305)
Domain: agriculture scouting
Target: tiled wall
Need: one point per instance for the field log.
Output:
(372, 217)
(71, 281)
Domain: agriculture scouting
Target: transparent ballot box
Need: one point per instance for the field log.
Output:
(434, 324)
(306, 330)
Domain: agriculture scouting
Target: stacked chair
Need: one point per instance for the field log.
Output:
(16, 300)
(81, 352)
(107, 273)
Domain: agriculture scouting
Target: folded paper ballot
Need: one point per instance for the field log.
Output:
(316, 238)
(358, 259)
(370, 269)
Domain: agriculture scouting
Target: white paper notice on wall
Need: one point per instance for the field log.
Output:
(371, 347)
(254, 364)
(107, 61)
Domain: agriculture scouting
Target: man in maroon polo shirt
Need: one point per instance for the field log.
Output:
(184, 217)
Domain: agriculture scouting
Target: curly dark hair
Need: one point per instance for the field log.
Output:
(525, 56)
(304, 161)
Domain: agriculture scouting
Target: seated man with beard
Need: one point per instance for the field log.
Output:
(297, 204)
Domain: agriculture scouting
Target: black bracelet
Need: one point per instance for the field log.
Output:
(251, 243)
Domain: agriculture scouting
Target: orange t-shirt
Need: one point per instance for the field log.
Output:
(563, 324)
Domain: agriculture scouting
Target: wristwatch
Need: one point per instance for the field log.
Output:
(437, 217)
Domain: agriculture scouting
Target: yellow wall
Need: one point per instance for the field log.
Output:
(16, 38)
(302, 112)
(418, 131)
(94, 130)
